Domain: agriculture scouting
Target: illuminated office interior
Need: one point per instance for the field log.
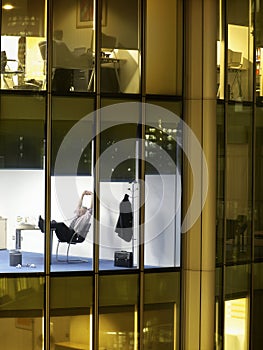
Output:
(95, 96)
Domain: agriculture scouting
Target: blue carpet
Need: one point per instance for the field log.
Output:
(34, 262)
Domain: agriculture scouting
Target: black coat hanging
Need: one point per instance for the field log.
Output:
(124, 226)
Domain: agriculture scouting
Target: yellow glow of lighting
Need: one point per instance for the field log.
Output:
(8, 7)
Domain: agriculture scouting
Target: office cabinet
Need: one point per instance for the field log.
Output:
(2, 233)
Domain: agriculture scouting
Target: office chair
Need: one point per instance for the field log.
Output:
(74, 239)
(7, 72)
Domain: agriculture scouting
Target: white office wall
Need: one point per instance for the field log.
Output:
(22, 194)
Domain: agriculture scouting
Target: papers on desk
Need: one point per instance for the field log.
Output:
(25, 226)
(27, 223)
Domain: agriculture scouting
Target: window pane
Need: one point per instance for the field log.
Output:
(72, 41)
(161, 311)
(220, 182)
(257, 307)
(238, 193)
(236, 324)
(71, 316)
(119, 183)
(240, 50)
(22, 181)
(118, 323)
(22, 304)
(120, 47)
(258, 219)
(164, 47)
(22, 30)
(72, 125)
(163, 184)
(259, 51)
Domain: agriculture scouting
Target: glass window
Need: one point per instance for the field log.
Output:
(22, 177)
(220, 182)
(236, 307)
(238, 188)
(257, 307)
(118, 312)
(21, 311)
(236, 324)
(258, 215)
(259, 50)
(163, 136)
(72, 183)
(120, 47)
(119, 184)
(71, 313)
(164, 47)
(240, 50)
(161, 323)
(72, 59)
(22, 30)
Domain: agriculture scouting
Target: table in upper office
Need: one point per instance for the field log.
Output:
(28, 227)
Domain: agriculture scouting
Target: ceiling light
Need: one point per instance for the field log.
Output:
(8, 7)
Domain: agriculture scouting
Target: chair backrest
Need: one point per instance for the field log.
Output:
(3, 61)
(43, 49)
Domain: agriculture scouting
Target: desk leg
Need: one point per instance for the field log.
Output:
(18, 239)
(117, 76)
(91, 79)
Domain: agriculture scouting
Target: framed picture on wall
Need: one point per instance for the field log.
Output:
(24, 323)
(85, 13)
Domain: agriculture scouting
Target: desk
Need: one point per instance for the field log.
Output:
(29, 228)
(105, 62)
(2, 233)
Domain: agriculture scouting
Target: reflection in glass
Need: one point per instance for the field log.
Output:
(25, 297)
(22, 148)
(118, 180)
(238, 193)
(259, 52)
(117, 328)
(118, 323)
(161, 311)
(71, 317)
(72, 59)
(257, 307)
(240, 51)
(72, 127)
(163, 137)
(258, 221)
(220, 182)
(22, 29)
(236, 324)
(120, 47)
(164, 47)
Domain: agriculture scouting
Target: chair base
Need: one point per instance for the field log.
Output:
(67, 260)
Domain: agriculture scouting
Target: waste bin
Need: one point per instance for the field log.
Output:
(15, 257)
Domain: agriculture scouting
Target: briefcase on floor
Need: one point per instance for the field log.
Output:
(123, 259)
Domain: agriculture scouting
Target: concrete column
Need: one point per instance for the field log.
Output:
(198, 259)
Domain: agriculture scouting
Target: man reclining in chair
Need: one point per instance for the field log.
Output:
(80, 223)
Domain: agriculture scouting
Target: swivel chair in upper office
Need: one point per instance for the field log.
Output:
(65, 65)
(74, 239)
(62, 78)
(8, 73)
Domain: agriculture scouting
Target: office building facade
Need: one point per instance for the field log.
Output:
(155, 107)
